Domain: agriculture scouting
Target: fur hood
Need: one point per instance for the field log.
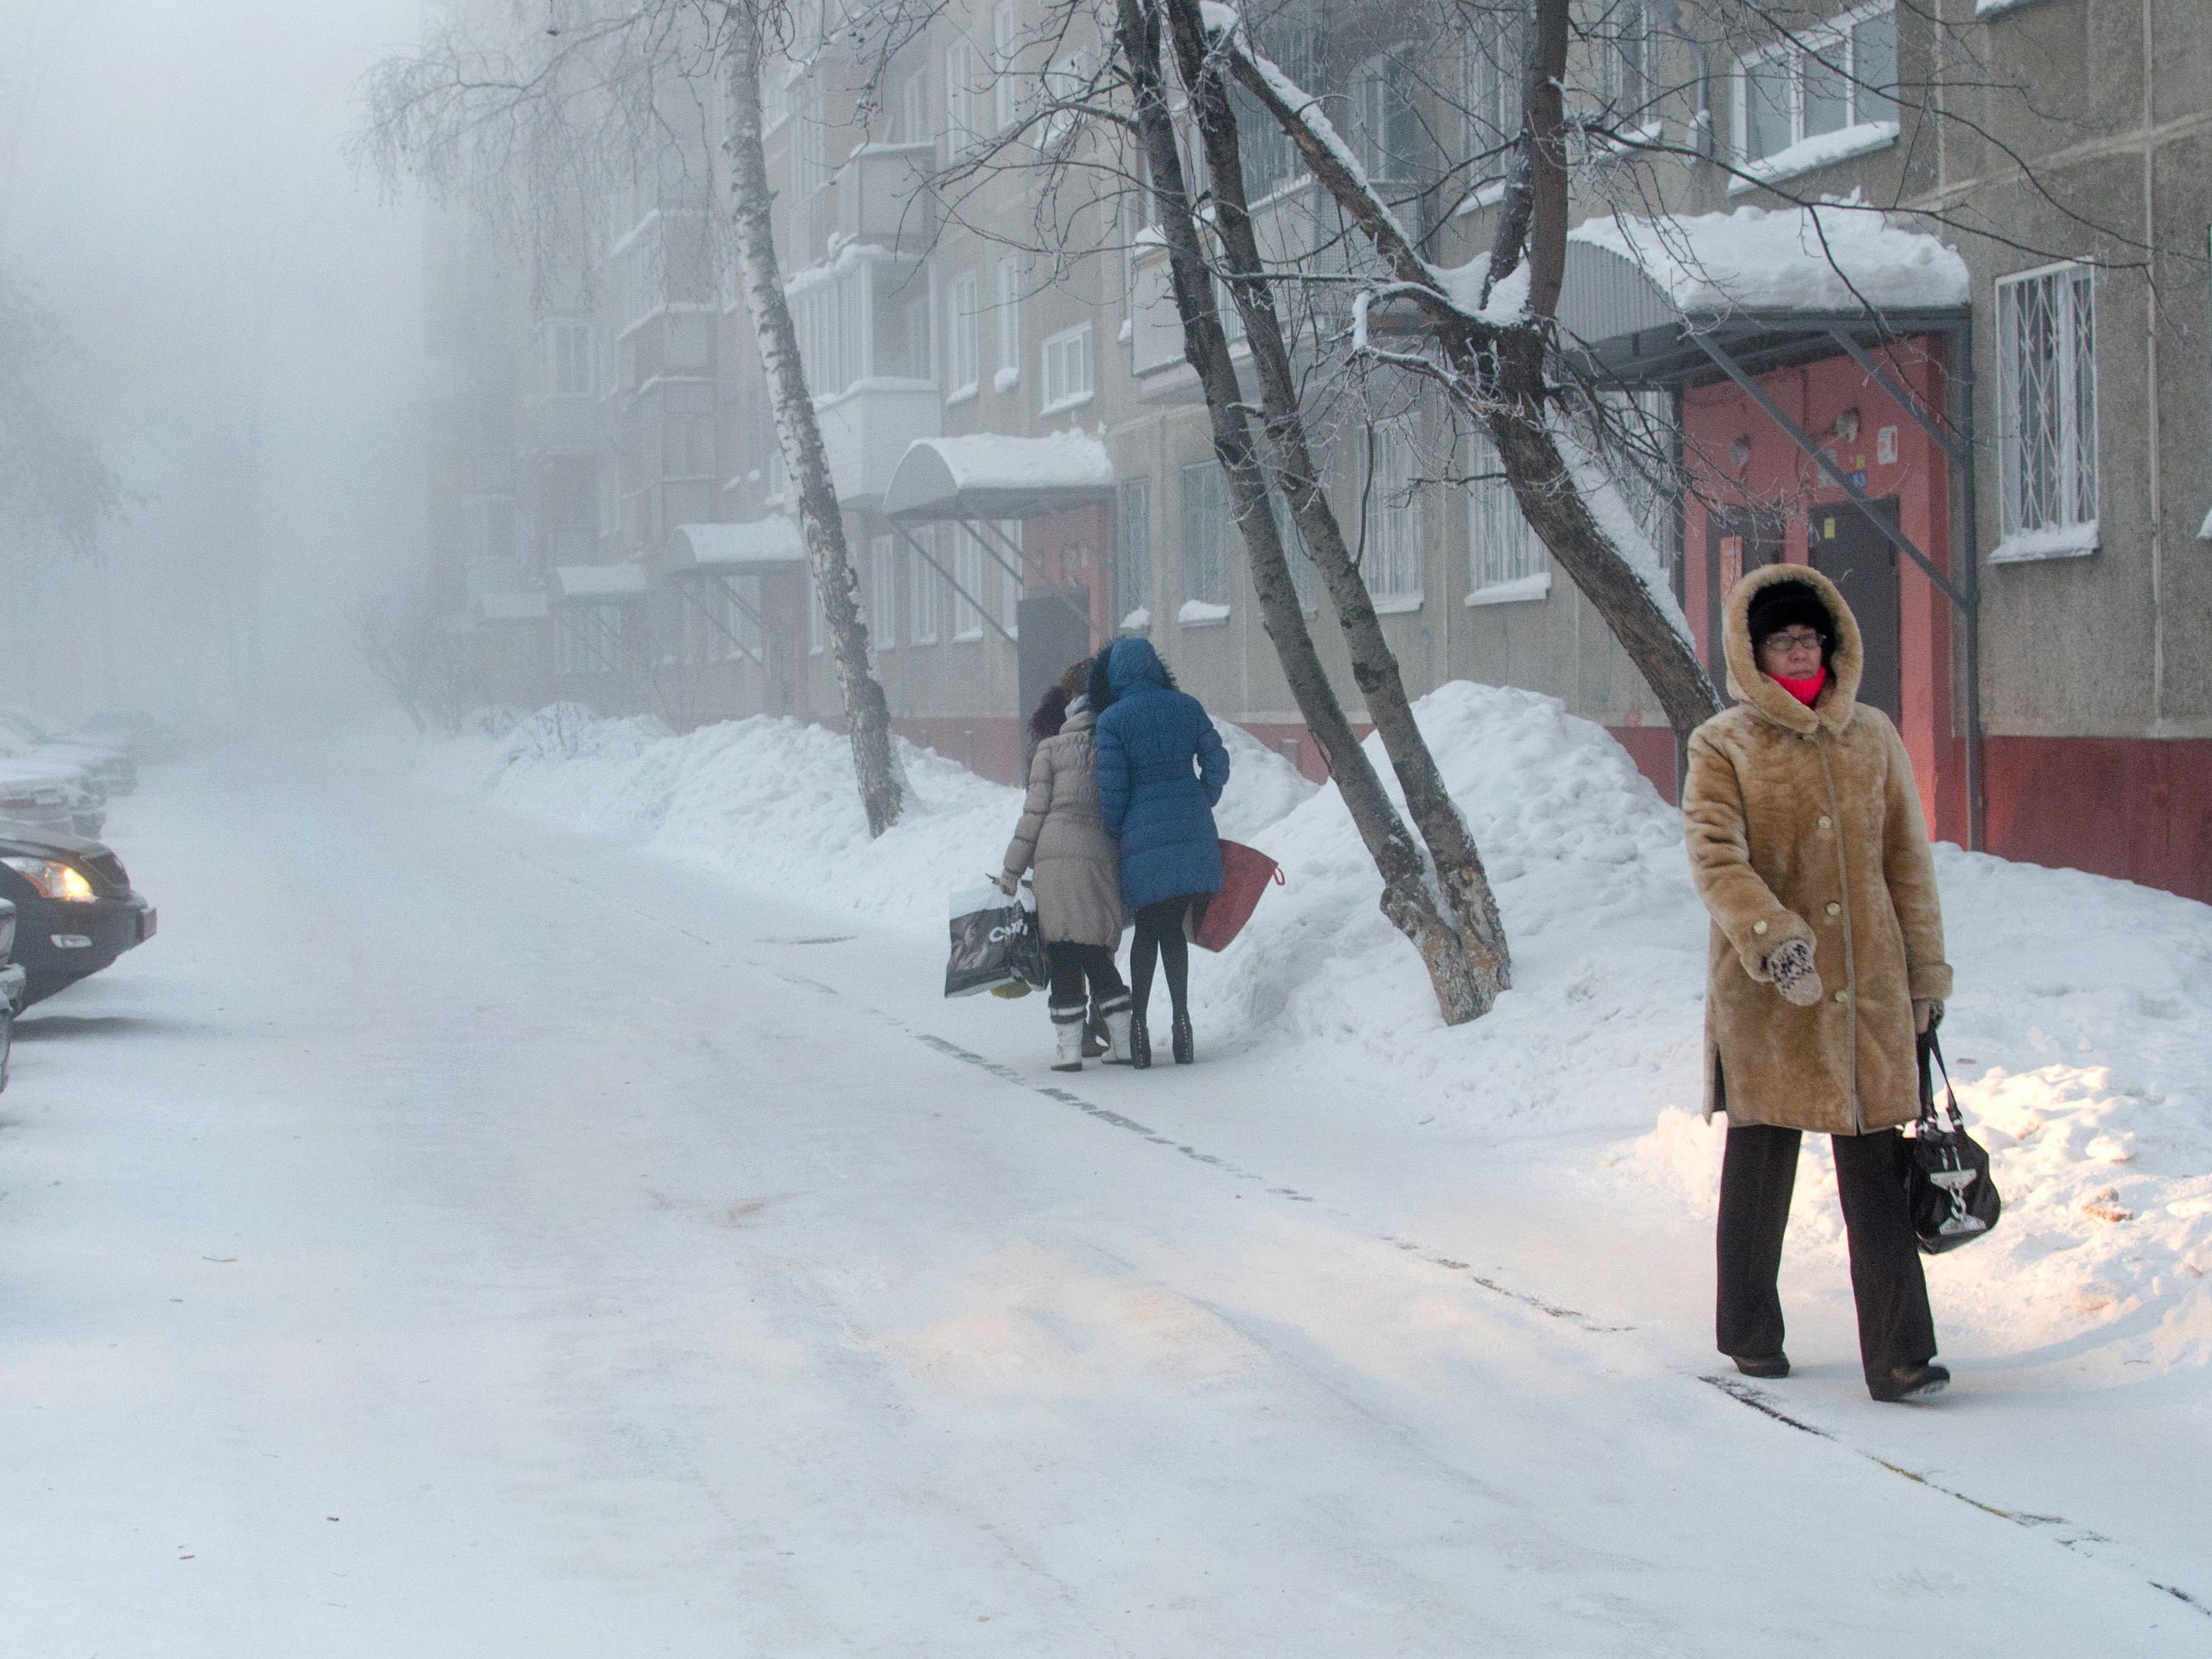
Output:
(1838, 699)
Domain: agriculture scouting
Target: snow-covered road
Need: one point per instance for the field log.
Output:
(450, 1237)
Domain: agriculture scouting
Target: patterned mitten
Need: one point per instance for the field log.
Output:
(1789, 965)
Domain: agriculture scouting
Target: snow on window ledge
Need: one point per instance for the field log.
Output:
(1807, 153)
(1397, 604)
(1998, 7)
(2204, 530)
(1076, 402)
(1489, 195)
(1128, 331)
(1519, 591)
(1200, 613)
(1139, 621)
(966, 394)
(1005, 379)
(2060, 541)
(968, 636)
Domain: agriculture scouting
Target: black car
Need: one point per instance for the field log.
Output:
(11, 988)
(74, 911)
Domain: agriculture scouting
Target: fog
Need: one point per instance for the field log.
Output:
(245, 310)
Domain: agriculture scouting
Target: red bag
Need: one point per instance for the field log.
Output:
(1218, 918)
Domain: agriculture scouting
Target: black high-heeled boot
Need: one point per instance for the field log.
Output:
(1186, 1047)
(1140, 1043)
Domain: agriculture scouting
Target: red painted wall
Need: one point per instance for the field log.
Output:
(1777, 475)
(2136, 808)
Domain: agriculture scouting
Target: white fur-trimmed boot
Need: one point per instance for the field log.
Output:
(1068, 1037)
(1115, 1012)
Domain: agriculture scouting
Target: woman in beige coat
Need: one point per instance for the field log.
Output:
(1077, 881)
(1809, 847)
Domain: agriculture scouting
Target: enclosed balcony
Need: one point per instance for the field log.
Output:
(863, 333)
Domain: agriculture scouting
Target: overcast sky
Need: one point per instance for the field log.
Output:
(172, 174)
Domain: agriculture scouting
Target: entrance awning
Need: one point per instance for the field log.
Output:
(764, 544)
(510, 607)
(988, 475)
(600, 584)
(1645, 300)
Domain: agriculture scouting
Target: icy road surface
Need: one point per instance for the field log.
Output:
(450, 1238)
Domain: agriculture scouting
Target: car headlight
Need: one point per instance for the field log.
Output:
(54, 880)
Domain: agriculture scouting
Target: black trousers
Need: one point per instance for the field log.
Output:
(1072, 966)
(1756, 1173)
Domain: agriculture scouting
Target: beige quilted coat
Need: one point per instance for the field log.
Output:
(1804, 823)
(1079, 865)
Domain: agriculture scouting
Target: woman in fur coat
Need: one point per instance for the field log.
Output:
(1808, 845)
(1077, 876)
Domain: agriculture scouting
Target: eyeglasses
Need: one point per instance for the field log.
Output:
(1793, 639)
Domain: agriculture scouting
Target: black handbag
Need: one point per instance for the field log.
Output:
(1947, 1185)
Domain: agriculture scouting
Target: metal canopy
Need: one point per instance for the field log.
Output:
(765, 544)
(987, 476)
(598, 584)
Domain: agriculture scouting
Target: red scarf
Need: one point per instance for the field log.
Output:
(1804, 691)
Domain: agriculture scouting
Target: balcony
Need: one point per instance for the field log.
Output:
(880, 199)
(866, 429)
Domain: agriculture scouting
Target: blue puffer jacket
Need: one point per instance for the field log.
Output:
(1149, 740)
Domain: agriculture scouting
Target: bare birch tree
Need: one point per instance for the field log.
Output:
(534, 126)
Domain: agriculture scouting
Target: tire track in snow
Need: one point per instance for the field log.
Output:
(2079, 1540)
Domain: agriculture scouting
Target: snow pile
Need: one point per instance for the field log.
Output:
(1841, 256)
(770, 802)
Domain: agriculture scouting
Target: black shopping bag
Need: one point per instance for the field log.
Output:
(994, 942)
(1946, 1170)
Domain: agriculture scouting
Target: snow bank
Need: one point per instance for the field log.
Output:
(2081, 1035)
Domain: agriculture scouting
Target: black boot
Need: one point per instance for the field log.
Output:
(1096, 1041)
(1901, 1384)
(1772, 1365)
(1140, 1043)
(1186, 1047)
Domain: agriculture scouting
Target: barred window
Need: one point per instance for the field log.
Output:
(1503, 554)
(2047, 411)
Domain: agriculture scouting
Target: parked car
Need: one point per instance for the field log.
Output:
(74, 909)
(49, 797)
(147, 739)
(109, 767)
(11, 988)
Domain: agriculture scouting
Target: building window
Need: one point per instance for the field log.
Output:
(921, 588)
(1627, 48)
(1133, 564)
(1392, 562)
(589, 639)
(964, 365)
(2047, 411)
(810, 150)
(1490, 69)
(687, 448)
(960, 95)
(1010, 325)
(1384, 118)
(818, 625)
(910, 119)
(1305, 574)
(1068, 368)
(1205, 533)
(1504, 557)
(1002, 64)
(967, 585)
(1823, 83)
(883, 591)
(569, 358)
(1010, 582)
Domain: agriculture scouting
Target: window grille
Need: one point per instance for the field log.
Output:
(1501, 547)
(2047, 401)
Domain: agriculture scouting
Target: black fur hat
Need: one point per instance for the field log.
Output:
(1791, 604)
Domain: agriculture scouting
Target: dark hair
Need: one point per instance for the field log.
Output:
(1790, 603)
(1050, 713)
(1077, 679)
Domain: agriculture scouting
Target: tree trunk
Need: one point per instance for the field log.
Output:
(822, 521)
(1407, 900)
(1452, 851)
(1495, 373)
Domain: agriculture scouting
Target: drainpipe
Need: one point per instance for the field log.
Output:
(1960, 374)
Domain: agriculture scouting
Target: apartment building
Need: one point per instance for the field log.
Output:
(2005, 465)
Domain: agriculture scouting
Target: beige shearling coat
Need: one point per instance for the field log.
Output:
(1805, 824)
(1063, 835)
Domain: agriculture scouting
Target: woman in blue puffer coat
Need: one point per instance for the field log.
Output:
(1160, 770)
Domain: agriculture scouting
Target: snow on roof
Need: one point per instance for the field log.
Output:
(598, 582)
(1840, 257)
(990, 475)
(511, 607)
(772, 540)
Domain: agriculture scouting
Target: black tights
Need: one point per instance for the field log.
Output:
(1160, 937)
